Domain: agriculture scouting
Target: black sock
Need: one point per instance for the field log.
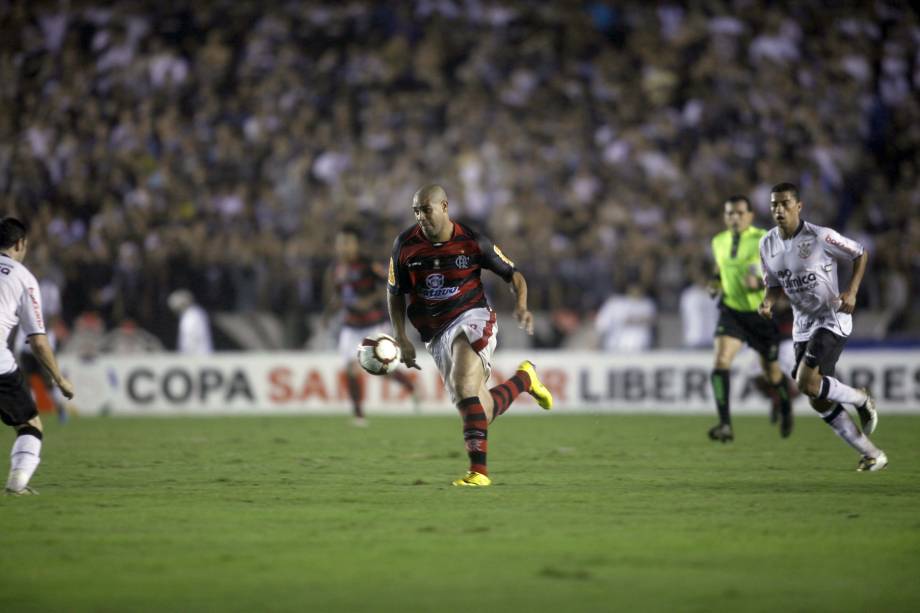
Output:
(782, 391)
(721, 388)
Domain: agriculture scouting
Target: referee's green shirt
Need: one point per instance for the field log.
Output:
(737, 258)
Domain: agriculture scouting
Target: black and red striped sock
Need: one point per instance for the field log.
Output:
(475, 433)
(354, 392)
(503, 395)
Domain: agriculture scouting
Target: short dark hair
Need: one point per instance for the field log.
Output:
(740, 198)
(786, 187)
(11, 231)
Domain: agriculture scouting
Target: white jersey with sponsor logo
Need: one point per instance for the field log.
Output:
(20, 303)
(805, 266)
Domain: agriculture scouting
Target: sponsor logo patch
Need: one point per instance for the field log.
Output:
(435, 289)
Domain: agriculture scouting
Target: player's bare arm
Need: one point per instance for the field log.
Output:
(41, 348)
(848, 297)
(770, 297)
(521, 313)
(396, 305)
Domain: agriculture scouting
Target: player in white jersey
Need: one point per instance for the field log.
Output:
(801, 259)
(21, 303)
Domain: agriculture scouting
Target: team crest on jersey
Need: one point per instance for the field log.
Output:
(805, 250)
(462, 261)
(435, 289)
(503, 257)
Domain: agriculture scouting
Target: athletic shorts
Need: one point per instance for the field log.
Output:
(481, 331)
(760, 333)
(824, 347)
(350, 338)
(16, 404)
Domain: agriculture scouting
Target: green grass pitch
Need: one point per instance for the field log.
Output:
(588, 513)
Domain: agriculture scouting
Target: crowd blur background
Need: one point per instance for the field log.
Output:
(216, 146)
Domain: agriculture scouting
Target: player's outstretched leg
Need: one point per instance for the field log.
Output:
(408, 383)
(353, 381)
(476, 439)
(721, 389)
(525, 379)
(872, 458)
(24, 459)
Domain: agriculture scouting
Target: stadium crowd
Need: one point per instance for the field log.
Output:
(217, 146)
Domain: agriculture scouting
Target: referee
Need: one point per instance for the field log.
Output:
(738, 280)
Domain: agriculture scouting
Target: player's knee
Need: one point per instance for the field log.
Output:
(29, 429)
(808, 382)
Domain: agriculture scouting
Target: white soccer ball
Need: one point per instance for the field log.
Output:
(379, 354)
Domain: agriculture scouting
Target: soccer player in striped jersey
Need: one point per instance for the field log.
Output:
(801, 259)
(438, 263)
(354, 286)
(21, 304)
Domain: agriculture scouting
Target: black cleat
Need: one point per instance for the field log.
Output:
(785, 424)
(722, 433)
(868, 416)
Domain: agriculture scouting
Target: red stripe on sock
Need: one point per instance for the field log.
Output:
(475, 433)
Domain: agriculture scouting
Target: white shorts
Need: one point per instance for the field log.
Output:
(481, 331)
(350, 339)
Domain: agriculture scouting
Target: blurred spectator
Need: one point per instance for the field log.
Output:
(626, 322)
(699, 312)
(194, 326)
(161, 145)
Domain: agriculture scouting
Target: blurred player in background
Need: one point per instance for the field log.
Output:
(801, 259)
(21, 303)
(355, 287)
(738, 280)
(439, 262)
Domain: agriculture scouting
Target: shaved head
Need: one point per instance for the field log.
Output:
(430, 194)
(429, 205)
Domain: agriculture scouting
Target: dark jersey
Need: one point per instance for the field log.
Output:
(443, 279)
(355, 281)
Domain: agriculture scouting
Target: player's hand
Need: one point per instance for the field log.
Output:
(765, 309)
(407, 351)
(847, 302)
(66, 388)
(525, 319)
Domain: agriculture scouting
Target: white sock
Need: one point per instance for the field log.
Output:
(840, 421)
(24, 459)
(833, 389)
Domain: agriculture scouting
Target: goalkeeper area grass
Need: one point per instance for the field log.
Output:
(587, 513)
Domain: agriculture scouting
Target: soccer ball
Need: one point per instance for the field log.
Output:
(379, 354)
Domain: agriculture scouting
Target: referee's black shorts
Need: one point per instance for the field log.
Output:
(760, 333)
(16, 404)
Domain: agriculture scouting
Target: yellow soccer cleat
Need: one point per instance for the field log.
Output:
(473, 479)
(539, 391)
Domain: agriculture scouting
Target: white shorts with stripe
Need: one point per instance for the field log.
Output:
(350, 338)
(481, 330)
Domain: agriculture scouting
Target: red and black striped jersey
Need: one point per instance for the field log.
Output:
(358, 284)
(443, 280)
